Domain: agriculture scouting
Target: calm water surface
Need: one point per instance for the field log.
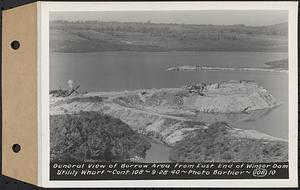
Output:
(117, 71)
(157, 153)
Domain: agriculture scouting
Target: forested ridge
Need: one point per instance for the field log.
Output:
(91, 36)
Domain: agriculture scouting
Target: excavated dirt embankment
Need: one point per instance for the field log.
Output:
(170, 115)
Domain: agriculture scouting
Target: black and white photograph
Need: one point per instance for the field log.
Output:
(180, 89)
(150, 94)
(188, 86)
(169, 86)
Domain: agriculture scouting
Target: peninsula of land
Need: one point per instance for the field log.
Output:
(273, 66)
(116, 126)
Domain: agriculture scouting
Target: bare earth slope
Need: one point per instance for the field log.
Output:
(170, 115)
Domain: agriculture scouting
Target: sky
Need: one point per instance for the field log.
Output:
(215, 17)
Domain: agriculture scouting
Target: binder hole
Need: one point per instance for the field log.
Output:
(15, 45)
(16, 148)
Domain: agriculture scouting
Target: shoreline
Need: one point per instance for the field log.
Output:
(235, 69)
(147, 113)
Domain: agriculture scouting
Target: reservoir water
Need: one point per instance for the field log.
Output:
(117, 71)
(157, 153)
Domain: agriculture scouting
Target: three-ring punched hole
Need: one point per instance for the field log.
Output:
(15, 45)
(16, 148)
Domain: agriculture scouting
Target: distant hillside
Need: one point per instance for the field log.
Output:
(89, 36)
(278, 64)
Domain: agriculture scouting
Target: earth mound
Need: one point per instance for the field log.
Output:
(92, 136)
(217, 144)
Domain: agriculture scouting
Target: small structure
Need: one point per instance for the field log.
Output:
(65, 93)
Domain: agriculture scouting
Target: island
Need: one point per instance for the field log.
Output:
(272, 66)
